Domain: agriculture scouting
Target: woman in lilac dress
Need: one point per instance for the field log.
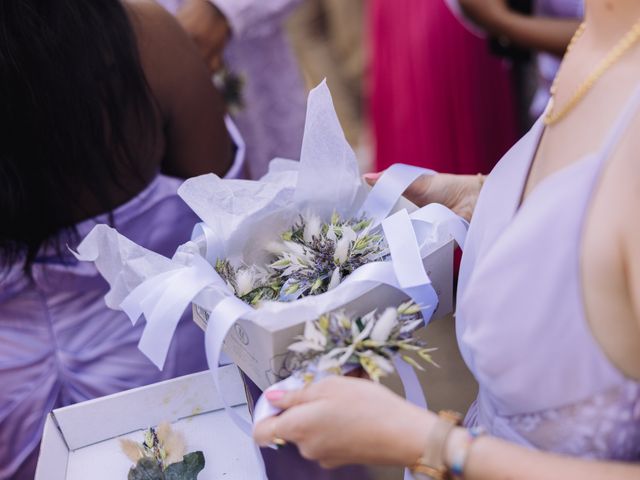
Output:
(94, 113)
(548, 315)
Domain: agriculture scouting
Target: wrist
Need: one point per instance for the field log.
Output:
(412, 435)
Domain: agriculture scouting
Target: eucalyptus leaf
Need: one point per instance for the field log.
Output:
(188, 469)
(146, 469)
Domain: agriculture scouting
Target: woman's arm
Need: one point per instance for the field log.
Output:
(494, 459)
(546, 34)
(342, 421)
(197, 141)
(211, 23)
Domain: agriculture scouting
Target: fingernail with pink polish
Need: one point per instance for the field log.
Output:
(274, 395)
(372, 176)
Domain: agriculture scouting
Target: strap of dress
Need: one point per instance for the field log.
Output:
(621, 126)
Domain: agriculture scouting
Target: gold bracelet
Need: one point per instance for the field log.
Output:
(432, 463)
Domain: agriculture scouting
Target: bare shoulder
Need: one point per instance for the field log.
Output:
(149, 19)
(168, 55)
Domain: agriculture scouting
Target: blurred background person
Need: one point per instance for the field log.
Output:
(547, 32)
(248, 36)
(100, 104)
(439, 99)
(328, 39)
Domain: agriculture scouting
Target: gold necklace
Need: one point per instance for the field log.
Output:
(629, 40)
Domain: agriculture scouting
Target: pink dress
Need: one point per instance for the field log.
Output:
(439, 99)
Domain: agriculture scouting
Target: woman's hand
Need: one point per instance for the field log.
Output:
(456, 192)
(340, 421)
(208, 28)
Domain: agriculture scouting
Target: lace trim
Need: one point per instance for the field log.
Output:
(607, 426)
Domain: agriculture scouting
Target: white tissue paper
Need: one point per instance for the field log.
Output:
(240, 218)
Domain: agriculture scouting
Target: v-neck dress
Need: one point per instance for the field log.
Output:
(544, 380)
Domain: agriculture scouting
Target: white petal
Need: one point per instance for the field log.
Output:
(313, 334)
(384, 325)
(365, 333)
(384, 364)
(411, 326)
(348, 352)
(335, 279)
(245, 280)
(342, 251)
(295, 248)
(349, 234)
(331, 233)
(313, 228)
(325, 363)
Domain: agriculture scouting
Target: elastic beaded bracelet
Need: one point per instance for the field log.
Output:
(460, 457)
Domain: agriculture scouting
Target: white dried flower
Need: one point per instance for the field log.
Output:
(349, 233)
(312, 228)
(336, 278)
(245, 281)
(331, 233)
(384, 325)
(342, 251)
(337, 341)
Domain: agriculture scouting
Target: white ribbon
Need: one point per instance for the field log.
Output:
(407, 263)
(220, 322)
(163, 299)
(388, 190)
(205, 238)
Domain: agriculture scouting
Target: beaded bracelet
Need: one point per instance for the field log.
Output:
(461, 456)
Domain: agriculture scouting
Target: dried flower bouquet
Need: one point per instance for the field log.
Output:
(336, 341)
(311, 258)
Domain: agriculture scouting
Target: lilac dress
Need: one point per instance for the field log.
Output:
(544, 380)
(60, 344)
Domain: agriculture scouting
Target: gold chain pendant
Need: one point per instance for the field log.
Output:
(623, 46)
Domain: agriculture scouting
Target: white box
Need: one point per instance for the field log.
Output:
(261, 353)
(82, 441)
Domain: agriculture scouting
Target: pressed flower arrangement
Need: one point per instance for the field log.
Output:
(161, 456)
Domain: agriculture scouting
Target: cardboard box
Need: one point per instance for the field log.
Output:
(82, 441)
(262, 353)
